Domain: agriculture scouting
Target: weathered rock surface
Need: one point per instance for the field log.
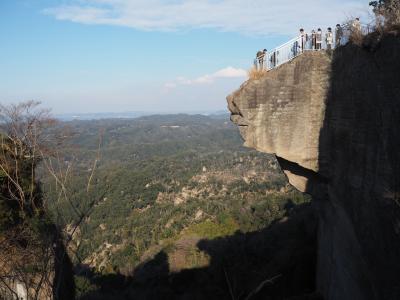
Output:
(283, 112)
(334, 124)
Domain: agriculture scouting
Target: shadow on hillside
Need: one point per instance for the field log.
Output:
(277, 262)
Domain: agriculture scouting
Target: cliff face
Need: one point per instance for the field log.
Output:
(334, 124)
(283, 112)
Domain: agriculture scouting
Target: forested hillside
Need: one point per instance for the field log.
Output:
(161, 184)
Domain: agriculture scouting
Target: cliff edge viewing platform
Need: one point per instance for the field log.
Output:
(314, 41)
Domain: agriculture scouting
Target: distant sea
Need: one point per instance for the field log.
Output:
(131, 115)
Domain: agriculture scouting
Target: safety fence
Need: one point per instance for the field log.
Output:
(315, 41)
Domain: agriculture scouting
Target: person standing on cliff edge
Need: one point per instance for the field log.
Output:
(338, 35)
(273, 59)
(329, 39)
(319, 39)
(260, 57)
(356, 25)
(313, 40)
(304, 38)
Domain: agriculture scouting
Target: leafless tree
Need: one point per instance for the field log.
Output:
(32, 248)
(387, 12)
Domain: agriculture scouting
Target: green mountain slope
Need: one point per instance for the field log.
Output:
(163, 183)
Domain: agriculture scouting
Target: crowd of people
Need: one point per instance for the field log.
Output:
(316, 40)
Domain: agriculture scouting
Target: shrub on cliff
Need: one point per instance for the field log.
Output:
(387, 12)
(255, 73)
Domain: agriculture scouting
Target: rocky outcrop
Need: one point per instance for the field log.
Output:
(283, 112)
(334, 125)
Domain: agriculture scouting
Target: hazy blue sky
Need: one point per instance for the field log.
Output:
(144, 55)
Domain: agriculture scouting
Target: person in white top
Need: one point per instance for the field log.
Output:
(304, 39)
(356, 25)
(318, 38)
(329, 39)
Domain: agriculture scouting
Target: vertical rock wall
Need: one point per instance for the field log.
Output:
(334, 124)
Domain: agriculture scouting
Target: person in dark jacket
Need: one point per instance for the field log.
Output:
(338, 35)
(273, 60)
(313, 40)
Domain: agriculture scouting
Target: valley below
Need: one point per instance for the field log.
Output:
(178, 194)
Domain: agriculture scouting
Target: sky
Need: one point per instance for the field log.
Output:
(89, 56)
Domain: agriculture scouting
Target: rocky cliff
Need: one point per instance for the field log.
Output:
(334, 124)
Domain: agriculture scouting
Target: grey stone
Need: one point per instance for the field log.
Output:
(334, 125)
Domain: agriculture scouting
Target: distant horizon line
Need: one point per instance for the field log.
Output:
(133, 114)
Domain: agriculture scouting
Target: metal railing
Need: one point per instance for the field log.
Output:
(308, 42)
